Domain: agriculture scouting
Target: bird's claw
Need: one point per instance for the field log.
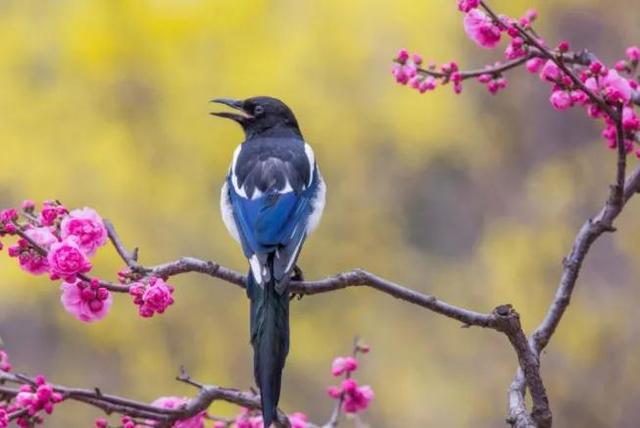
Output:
(298, 275)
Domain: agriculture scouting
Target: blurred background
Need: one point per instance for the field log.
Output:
(472, 198)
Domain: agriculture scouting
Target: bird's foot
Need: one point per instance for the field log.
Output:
(297, 275)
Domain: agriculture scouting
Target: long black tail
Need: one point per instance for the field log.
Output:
(270, 341)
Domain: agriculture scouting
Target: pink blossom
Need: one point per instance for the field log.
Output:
(349, 385)
(358, 400)
(399, 74)
(593, 111)
(334, 392)
(456, 78)
(531, 15)
(466, 5)
(428, 84)
(38, 397)
(5, 365)
(534, 65)
(127, 422)
(50, 213)
(579, 97)
(30, 260)
(219, 424)
(151, 298)
(298, 420)
(8, 215)
(515, 49)
(561, 100)
(630, 120)
(343, 365)
(42, 236)
(485, 78)
(596, 67)
(550, 71)
(616, 88)
(609, 134)
(28, 205)
(66, 260)
(86, 302)
(87, 227)
(246, 420)
(563, 46)
(492, 82)
(621, 66)
(592, 84)
(101, 423)
(633, 53)
(402, 56)
(481, 29)
(196, 421)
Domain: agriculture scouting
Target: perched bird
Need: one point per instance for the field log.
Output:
(271, 200)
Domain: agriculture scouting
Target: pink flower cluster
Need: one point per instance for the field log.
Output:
(86, 227)
(606, 83)
(87, 301)
(248, 419)
(617, 87)
(343, 365)
(34, 399)
(7, 225)
(66, 260)
(354, 398)
(63, 252)
(466, 5)
(153, 297)
(51, 212)
(482, 29)
(196, 421)
(406, 71)
(60, 243)
(253, 419)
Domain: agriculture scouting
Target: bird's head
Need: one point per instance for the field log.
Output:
(261, 116)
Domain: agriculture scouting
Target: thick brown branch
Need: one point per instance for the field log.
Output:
(590, 231)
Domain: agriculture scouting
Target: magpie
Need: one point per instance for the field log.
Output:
(271, 200)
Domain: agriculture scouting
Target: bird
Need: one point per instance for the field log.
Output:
(271, 200)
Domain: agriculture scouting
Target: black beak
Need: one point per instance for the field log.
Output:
(236, 104)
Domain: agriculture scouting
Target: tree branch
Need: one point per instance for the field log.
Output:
(207, 394)
(503, 319)
(590, 231)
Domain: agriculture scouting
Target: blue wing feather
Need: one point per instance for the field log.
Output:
(273, 223)
(270, 221)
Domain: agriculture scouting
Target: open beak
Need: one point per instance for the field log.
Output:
(235, 104)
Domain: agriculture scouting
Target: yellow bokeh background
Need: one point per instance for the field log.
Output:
(472, 198)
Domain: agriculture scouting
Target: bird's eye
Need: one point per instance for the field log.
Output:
(258, 111)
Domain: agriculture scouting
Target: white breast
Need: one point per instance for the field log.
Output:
(317, 205)
(227, 212)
